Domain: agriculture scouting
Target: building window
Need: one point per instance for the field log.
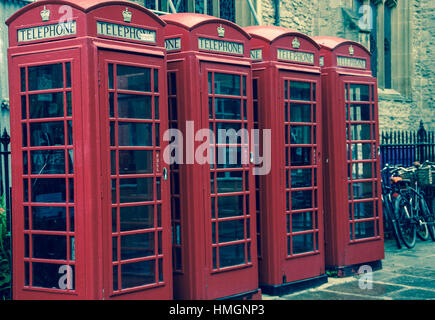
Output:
(239, 12)
(204, 6)
(387, 47)
(389, 34)
(227, 10)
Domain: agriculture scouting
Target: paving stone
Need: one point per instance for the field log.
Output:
(413, 294)
(418, 272)
(377, 289)
(413, 281)
(326, 295)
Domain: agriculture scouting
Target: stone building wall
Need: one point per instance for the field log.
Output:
(423, 55)
(397, 110)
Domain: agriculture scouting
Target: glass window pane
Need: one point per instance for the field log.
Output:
(302, 221)
(300, 156)
(360, 112)
(156, 80)
(115, 249)
(71, 219)
(359, 92)
(173, 115)
(230, 206)
(227, 132)
(133, 78)
(231, 255)
(363, 210)
(49, 246)
(23, 79)
(137, 245)
(135, 134)
(361, 151)
(300, 112)
(111, 105)
(69, 104)
(47, 134)
(48, 190)
(134, 106)
(23, 107)
(156, 108)
(49, 218)
(70, 132)
(136, 189)
(303, 243)
(362, 190)
(228, 84)
(68, 74)
(45, 77)
(300, 134)
(231, 230)
(135, 162)
(110, 71)
(226, 108)
(300, 91)
(360, 132)
(229, 157)
(48, 161)
(138, 274)
(112, 134)
(26, 190)
(26, 218)
(47, 275)
(136, 218)
(364, 229)
(25, 163)
(115, 278)
(24, 135)
(301, 178)
(302, 199)
(172, 83)
(362, 170)
(231, 181)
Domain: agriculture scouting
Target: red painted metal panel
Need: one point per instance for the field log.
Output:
(353, 209)
(291, 206)
(64, 162)
(205, 268)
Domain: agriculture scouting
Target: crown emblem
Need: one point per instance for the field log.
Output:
(45, 14)
(221, 31)
(295, 43)
(127, 15)
(351, 50)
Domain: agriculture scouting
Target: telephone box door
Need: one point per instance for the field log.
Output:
(47, 230)
(230, 221)
(302, 173)
(136, 213)
(362, 160)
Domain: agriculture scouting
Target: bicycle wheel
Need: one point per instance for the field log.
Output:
(422, 229)
(390, 221)
(429, 218)
(405, 224)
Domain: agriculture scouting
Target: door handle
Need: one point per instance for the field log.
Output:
(165, 174)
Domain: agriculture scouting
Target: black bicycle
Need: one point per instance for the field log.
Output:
(390, 187)
(411, 210)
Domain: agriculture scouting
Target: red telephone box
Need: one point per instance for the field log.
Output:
(209, 81)
(287, 100)
(353, 216)
(90, 195)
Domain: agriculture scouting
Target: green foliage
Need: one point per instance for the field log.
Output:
(5, 254)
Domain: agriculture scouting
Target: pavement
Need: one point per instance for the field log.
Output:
(406, 274)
